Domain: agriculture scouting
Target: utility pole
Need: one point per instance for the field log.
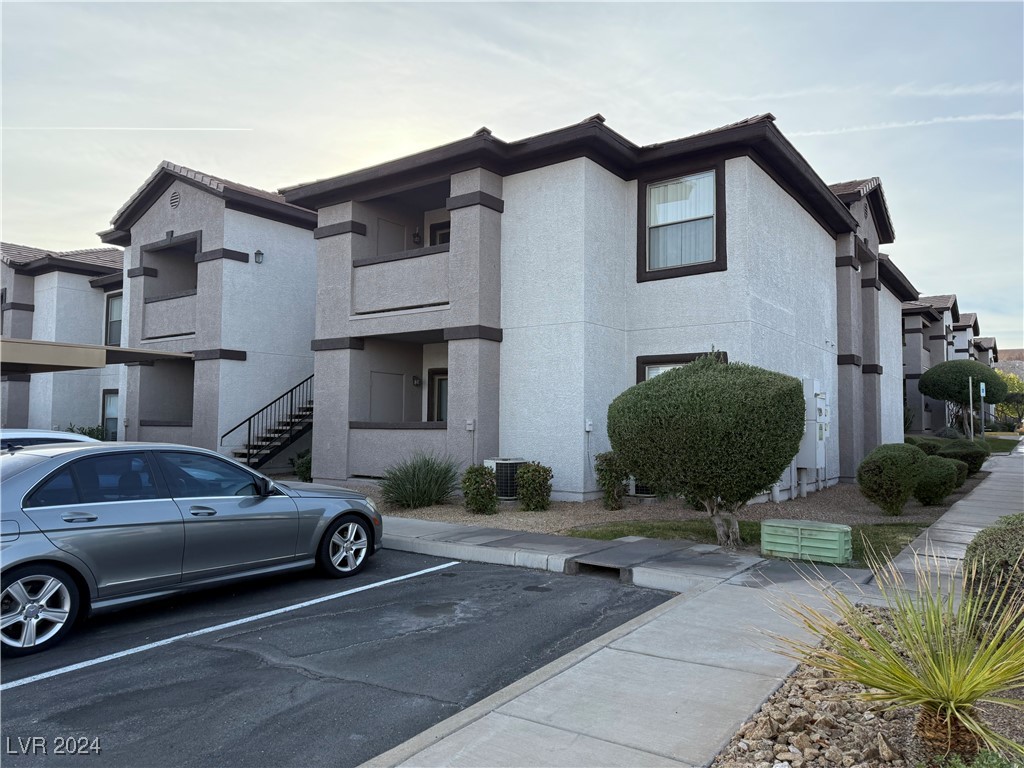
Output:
(970, 407)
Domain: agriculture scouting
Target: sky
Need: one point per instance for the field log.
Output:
(927, 96)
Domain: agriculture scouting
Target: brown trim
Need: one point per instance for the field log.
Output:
(19, 378)
(175, 241)
(871, 368)
(432, 376)
(949, 342)
(113, 282)
(848, 261)
(937, 336)
(169, 336)
(642, 361)
(17, 305)
(342, 228)
(720, 264)
(475, 198)
(893, 279)
(849, 360)
(49, 264)
(162, 423)
(597, 142)
(142, 272)
(115, 237)
(912, 376)
(398, 425)
(862, 251)
(914, 330)
(219, 354)
(460, 332)
(222, 253)
(400, 255)
(268, 209)
(965, 350)
(341, 342)
(169, 296)
(871, 282)
(140, 362)
(402, 308)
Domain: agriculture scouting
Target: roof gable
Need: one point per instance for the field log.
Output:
(27, 259)
(850, 192)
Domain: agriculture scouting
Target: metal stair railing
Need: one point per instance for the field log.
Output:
(276, 425)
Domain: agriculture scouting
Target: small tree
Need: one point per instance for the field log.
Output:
(949, 381)
(1012, 407)
(716, 433)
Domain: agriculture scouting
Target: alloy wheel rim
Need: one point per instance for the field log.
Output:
(32, 610)
(348, 547)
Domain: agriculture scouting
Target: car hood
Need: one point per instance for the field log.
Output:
(317, 490)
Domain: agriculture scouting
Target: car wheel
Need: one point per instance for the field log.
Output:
(345, 547)
(38, 606)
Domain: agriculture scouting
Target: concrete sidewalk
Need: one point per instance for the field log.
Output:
(668, 688)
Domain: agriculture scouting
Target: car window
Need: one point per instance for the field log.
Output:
(58, 491)
(115, 477)
(195, 475)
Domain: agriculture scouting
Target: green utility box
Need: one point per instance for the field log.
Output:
(807, 540)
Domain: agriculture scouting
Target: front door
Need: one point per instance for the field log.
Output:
(228, 526)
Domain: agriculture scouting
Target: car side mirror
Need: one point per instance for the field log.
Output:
(264, 486)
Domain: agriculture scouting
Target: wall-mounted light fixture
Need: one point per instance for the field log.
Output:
(416, 381)
(417, 238)
(259, 257)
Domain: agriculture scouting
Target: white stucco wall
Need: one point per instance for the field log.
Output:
(268, 311)
(890, 338)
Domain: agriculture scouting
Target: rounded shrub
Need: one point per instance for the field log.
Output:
(949, 433)
(422, 481)
(930, 446)
(611, 478)
(304, 467)
(937, 481)
(714, 432)
(889, 474)
(961, 471)
(911, 440)
(533, 482)
(480, 489)
(972, 454)
(996, 556)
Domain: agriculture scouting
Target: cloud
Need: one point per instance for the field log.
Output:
(942, 90)
(981, 118)
(998, 88)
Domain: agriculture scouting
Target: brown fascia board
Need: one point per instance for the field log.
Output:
(234, 198)
(929, 312)
(56, 264)
(880, 213)
(105, 281)
(893, 279)
(955, 311)
(591, 139)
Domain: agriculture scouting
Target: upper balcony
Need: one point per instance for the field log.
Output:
(169, 286)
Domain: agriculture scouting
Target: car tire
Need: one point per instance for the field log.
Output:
(38, 607)
(345, 547)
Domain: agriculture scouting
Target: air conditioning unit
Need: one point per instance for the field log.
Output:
(505, 472)
(638, 489)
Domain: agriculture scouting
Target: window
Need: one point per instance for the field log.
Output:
(193, 475)
(440, 233)
(58, 491)
(437, 394)
(112, 334)
(649, 366)
(115, 477)
(109, 416)
(681, 221)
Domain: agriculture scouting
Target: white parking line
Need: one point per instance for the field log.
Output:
(217, 628)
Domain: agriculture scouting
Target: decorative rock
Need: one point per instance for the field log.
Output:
(811, 753)
(797, 722)
(764, 728)
(743, 746)
(801, 741)
(886, 751)
(848, 761)
(833, 754)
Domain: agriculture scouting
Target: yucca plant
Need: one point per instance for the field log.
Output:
(422, 481)
(945, 656)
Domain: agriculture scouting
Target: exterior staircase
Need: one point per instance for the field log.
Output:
(274, 427)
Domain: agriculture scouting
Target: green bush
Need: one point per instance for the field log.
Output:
(303, 465)
(972, 454)
(480, 489)
(889, 474)
(995, 555)
(937, 481)
(611, 478)
(716, 432)
(533, 484)
(96, 433)
(911, 440)
(949, 433)
(930, 446)
(961, 471)
(422, 481)
(984, 759)
(953, 381)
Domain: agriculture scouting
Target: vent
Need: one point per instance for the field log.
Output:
(175, 199)
(505, 473)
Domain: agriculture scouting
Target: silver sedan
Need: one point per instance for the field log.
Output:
(91, 527)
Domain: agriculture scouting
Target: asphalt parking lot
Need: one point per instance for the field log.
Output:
(404, 645)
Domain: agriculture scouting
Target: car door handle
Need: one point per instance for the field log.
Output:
(77, 517)
(202, 511)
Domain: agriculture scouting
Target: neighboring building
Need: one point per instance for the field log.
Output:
(226, 273)
(870, 290)
(928, 340)
(964, 333)
(490, 298)
(61, 296)
(985, 350)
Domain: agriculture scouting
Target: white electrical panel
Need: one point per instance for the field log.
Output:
(817, 426)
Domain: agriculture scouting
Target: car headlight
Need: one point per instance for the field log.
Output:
(371, 505)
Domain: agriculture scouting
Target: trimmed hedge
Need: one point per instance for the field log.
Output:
(714, 431)
(533, 482)
(937, 481)
(949, 433)
(889, 474)
(422, 481)
(961, 471)
(972, 454)
(480, 489)
(996, 553)
(930, 446)
(611, 478)
(304, 467)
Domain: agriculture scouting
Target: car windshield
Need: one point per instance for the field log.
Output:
(13, 463)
